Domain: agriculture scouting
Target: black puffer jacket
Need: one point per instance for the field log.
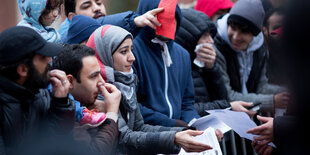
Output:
(210, 91)
(24, 115)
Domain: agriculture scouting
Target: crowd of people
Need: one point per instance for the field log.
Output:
(132, 82)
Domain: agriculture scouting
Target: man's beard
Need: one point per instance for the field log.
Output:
(36, 80)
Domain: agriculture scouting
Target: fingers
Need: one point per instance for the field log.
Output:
(194, 132)
(263, 119)
(219, 135)
(154, 12)
(58, 77)
(257, 130)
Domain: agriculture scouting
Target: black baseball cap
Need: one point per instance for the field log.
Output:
(19, 41)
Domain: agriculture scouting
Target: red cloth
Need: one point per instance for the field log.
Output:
(277, 31)
(209, 7)
(167, 18)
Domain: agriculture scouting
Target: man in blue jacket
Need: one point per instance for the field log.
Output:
(165, 90)
(95, 9)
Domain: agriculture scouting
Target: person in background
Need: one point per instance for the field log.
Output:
(243, 57)
(114, 47)
(289, 132)
(96, 9)
(214, 8)
(39, 14)
(196, 36)
(272, 33)
(83, 74)
(165, 90)
(28, 111)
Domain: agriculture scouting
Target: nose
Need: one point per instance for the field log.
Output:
(131, 57)
(96, 7)
(101, 79)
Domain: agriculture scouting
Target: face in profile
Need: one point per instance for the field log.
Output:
(91, 8)
(86, 91)
(123, 56)
(38, 73)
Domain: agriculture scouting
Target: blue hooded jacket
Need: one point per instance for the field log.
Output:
(31, 11)
(165, 94)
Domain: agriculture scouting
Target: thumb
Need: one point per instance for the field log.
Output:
(263, 119)
(194, 132)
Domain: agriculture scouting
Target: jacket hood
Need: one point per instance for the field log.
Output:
(32, 9)
(147, 5)
(80, 29)
(194, 24)
(222, 30)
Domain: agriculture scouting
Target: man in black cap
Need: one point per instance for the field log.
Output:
(29, 114)
(243, 57)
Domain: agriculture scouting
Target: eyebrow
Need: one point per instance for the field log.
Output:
(94, 73)
(86, 2)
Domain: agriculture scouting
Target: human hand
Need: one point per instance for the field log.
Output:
(99, 105)
(186, 141)
(241, 106)
(281, 100)
(180, 123)
(149, 19)
(207, 54)
(265, 131)
(112, 96)
(60, 83)
(219, 135)
(262, 149)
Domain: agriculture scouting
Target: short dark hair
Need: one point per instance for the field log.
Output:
(50, 6)
(270, 12)
(245, 28)
(70, 59)
(9, 70)
(69, 6)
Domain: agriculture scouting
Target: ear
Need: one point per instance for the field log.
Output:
(22, 70)
(71, 79)
(265, 31)
(70, 15)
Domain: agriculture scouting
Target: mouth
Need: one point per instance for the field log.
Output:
(98, 15)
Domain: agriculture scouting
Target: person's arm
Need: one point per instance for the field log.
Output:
(266, 88)
(100, 140)
(2, 146)
(201, 107)
(147, 139)
(62, 111)
(266, 100)
(131, 21)
(188, 111)
(154, 117)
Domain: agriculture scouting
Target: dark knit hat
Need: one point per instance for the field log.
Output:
(81, 27)
(250, 13)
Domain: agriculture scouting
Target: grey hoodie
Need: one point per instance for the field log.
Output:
(265, 91)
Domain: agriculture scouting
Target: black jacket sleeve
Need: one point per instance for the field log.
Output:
(214, 82)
